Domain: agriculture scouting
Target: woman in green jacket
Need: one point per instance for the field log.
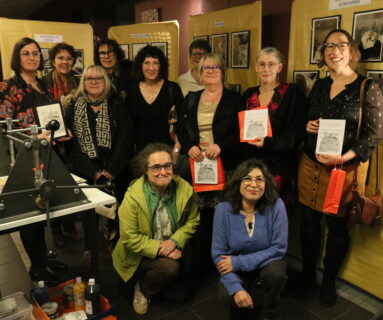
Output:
(157, 217)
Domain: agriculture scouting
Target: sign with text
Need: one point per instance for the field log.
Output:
(341, 4)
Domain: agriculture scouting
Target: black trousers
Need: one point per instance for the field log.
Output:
(33, 239)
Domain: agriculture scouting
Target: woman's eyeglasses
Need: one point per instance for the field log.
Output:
(94, 79)
(248, 180)
(156, 168)
(330, 46)
(61, 58)
(213, 68)
(105, 53)
(270, 65)
(33, 53)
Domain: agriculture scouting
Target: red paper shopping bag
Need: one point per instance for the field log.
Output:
(334, 191)
(241, 118)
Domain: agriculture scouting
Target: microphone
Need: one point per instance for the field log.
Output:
(53, 125)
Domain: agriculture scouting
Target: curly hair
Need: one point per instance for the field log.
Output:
(150, 52)
(112, 45)
(231, 191)
(54, 51)
(15, 59)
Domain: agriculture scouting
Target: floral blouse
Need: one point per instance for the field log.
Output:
(346, 105)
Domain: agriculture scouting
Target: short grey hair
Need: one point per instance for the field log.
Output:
(271, 50)
(217, 60)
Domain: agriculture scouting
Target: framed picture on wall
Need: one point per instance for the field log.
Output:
(47, 64)
(163, 46)
(219, 45)
(240, 49)
(52, 112)
(319, 29)
(78, 68)
(367, 32)
(234, 86)
(305, 79)
(136, 47)
(374, 74)
(125, 48)
(206, 38)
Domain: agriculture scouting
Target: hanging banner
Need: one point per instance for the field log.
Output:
(341, 4)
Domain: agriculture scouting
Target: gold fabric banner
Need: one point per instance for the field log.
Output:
(363, 266)
(164, 35)
(233, 23)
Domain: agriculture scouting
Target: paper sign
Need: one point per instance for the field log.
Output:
(206, 171)
(330, 136)
(52, 38)
(341, 4)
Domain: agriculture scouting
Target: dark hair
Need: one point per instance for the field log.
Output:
(53, 52)
(113, 45)
(355, 53)
(150, 52)
(231, 191)
(15, 60)
(199, 44)
(139, 163)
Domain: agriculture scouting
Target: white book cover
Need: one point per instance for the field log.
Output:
(206, 171)
(330, 136)
(255, 124)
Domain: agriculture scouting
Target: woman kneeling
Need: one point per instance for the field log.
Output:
(250, 239)
(157, 217)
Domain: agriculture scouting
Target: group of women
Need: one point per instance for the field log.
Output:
(246, 225)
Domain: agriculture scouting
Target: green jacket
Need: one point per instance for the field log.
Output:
(135, 229)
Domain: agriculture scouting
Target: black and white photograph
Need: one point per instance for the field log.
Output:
(136, 47)
(219, 45)
(125, 48)
(367, 32)
(163, 46)
(319, 29)
(305, 79)
(47, 64)
(206, 38)
(374, 74)
(240, 46)
(52, 112)
(78, 68)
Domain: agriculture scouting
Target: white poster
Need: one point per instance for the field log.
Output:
(330, 136)
(206, 171)
(341, 4)
(255, 124)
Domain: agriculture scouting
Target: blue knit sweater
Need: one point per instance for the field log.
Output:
(230, 237)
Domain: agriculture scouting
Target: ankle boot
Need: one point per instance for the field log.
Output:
(328, 295)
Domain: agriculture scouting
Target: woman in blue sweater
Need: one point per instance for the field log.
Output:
(250, 239)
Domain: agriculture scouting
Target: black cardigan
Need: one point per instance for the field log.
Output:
(225, 125)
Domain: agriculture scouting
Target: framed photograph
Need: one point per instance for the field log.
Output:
(52, 112)
(206, 38)
(234, 86)
(47, 64)
(305, 79)
(319, 29)
(125, 48)
(374, 74)
(367, 32)
(240, 49)
(136, 47)
(219, 45)
(78, 68)
(163, 46)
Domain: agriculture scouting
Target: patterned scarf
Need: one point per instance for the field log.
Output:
(82, 128)
(60, 88)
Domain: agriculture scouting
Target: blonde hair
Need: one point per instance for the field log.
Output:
(217, 59)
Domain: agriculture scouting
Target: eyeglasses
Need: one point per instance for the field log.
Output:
(95, 79)
(61, 58)
(33, 53)
(270, 65)
(330, 46)
(156, 168)
(248, 180)
(213, 68)
(198, 54)
(105, 53)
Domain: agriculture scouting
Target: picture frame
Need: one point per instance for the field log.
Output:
(375, 74)
(305, 79)
(206, 38)
(78, 68)
(234, 87)
(240, 49)
(50, 112)
(219, 45)
(367, 31)
(163, 46)
(47, 63)
(136, 47)
(320, 27)
(125, 49)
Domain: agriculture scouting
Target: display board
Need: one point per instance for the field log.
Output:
(310, 22)
(235, 33)
(47, 34)
(164, 35)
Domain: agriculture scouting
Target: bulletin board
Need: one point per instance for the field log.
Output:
(239, 30)
(363, 266)
(164, 35)
(47, 34)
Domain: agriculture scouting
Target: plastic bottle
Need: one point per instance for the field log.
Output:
(79, 294)
(41, 293)
(92, 298)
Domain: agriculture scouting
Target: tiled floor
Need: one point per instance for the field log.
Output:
(203, 305)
